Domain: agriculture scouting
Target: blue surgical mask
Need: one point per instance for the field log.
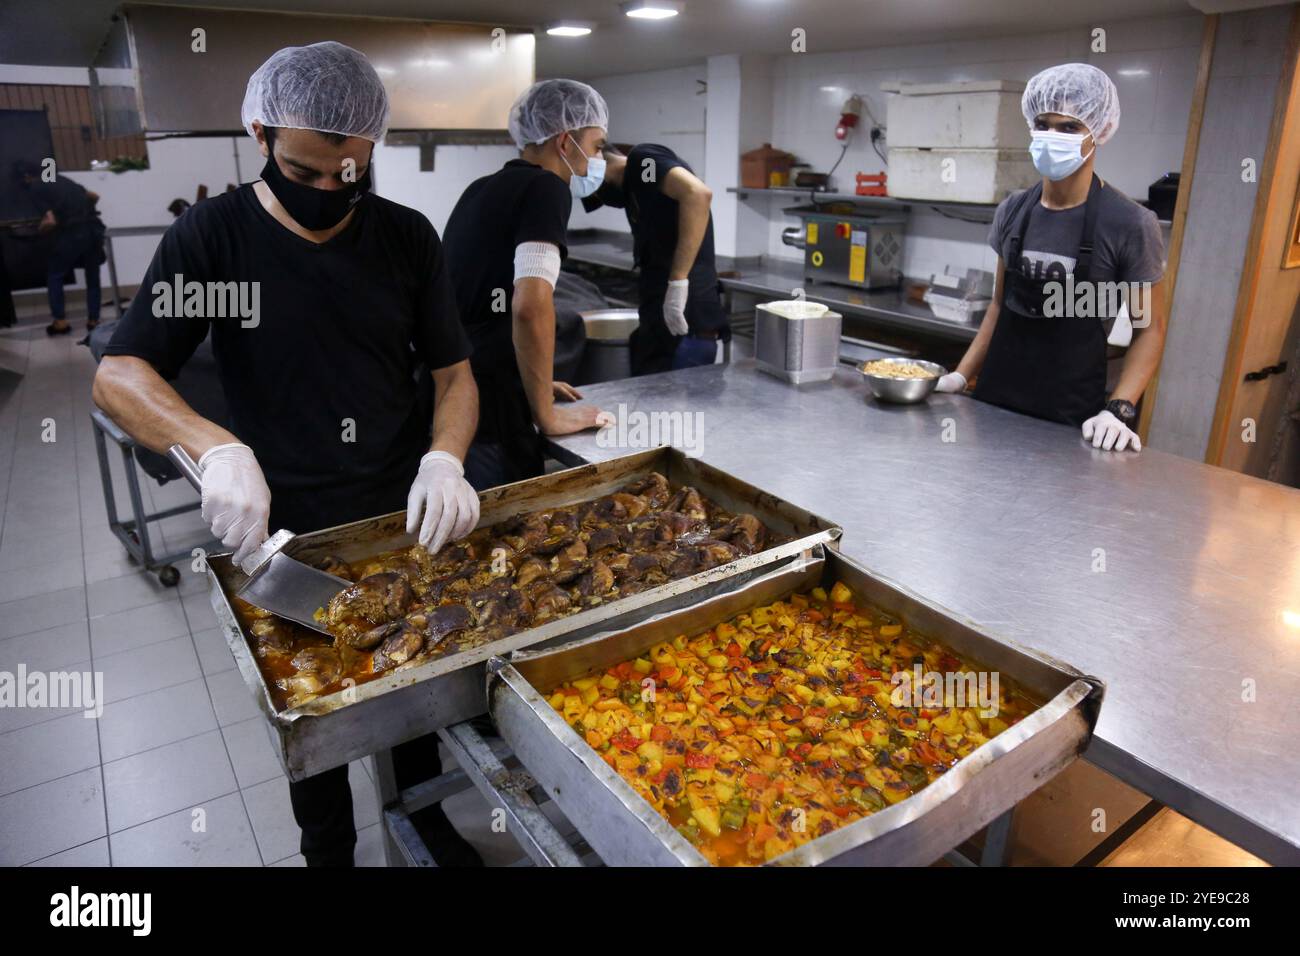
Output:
(1057, 155)
(583, 186)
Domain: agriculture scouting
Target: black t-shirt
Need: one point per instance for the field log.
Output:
(652, 215)
(1127, 242)
(521, 202)
(323, 388)
(68, 201)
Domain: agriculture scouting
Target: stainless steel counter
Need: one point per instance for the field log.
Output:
(768, 278)
(1007, 524)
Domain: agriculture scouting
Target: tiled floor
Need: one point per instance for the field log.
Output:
(178, 770)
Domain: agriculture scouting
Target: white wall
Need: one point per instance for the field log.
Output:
(1153, 63)
(398, 176)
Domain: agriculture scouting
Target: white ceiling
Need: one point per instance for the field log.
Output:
(68, 32)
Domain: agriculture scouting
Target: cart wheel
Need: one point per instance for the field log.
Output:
(168, 576)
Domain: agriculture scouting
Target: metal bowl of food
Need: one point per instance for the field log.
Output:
(903, 381)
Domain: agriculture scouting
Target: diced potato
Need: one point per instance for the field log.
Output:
(949, 723)
(651, 751)
(895, 791)
(841, 594)
(590, 696)
(891, 630)
(707, 818)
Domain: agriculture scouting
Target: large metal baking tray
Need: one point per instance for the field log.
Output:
(333, 729)
(626, 831)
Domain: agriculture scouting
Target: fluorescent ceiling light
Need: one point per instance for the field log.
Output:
(652, 9)
(568, 29)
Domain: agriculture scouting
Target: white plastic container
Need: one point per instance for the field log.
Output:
(979, 114)
(959, 175)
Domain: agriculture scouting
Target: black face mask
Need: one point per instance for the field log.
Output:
(313, 209)
(607, 195)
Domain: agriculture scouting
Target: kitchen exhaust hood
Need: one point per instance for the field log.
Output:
(184, 69)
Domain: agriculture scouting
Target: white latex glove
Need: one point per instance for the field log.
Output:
(236, 501)
(449, 504)
(675, 306)
(952, 382)
(1106, 431)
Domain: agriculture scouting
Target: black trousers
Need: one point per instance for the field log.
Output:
(322, 805)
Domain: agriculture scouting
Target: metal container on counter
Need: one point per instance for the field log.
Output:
(625, 830)
(797, 340)
(334, 729)
(607, 356)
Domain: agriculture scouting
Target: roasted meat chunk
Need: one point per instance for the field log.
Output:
(401, 643)
(374, 600)
(406, 606)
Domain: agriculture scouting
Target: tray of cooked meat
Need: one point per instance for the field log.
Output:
(817, 714)
(554, 558)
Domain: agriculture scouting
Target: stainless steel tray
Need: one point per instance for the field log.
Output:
(626, 831)
(336, 728)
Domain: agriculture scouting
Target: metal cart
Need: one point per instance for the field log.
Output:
(134, 531)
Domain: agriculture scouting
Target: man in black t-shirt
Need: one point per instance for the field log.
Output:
(322, 301)
(667, 207)
(68, 211)
(505, 244)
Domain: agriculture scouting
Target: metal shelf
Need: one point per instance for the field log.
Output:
(818, 195)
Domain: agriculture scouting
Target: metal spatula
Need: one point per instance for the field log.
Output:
(276, 582)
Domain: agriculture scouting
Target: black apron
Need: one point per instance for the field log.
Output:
(1052, 368)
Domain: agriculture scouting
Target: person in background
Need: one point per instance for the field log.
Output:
(505, 242)
(327, 422)
(68, 211)
(1071, 224)
(667, 207)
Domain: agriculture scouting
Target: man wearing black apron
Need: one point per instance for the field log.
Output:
(1064, 246)
(667, 207)
(505, 243)
(348, 298)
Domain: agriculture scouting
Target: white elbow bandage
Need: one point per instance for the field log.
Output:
(537, 260)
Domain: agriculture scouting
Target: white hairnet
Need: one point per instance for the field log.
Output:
(552, 107)
(1080, 90)
(326, 87)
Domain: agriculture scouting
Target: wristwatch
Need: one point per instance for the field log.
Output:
(1124, 411)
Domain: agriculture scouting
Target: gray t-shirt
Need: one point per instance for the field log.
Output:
(1127, 243)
